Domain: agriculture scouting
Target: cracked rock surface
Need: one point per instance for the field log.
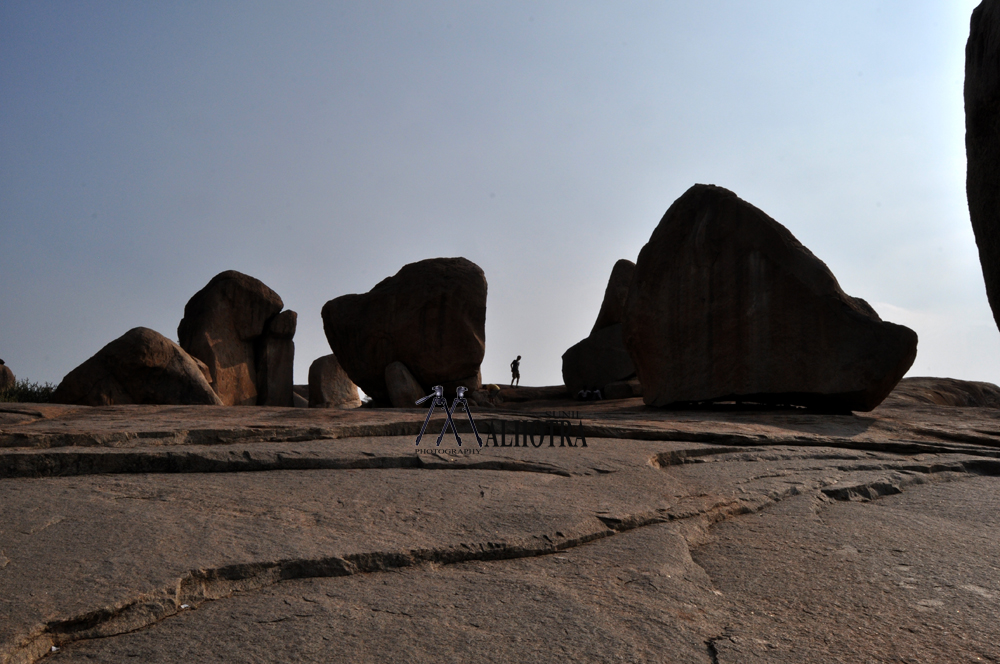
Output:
(257, 535)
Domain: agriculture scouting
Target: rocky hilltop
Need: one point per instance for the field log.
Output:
(605, 530)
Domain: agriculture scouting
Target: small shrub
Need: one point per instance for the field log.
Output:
(24, 390)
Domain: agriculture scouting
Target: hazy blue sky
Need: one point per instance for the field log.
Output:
(319, 146)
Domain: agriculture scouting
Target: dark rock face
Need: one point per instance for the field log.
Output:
(613, 305)
(7, 378)
(431, 316)
(140, 367)
(602, 358)
(275, 355)
(726, 304)
(403, 388)
(228, 326)
(329, 386)
(982, 141)
(596, 361)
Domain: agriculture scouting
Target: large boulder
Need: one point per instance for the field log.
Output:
(602, 358)
(7, 379)
(726, 304)
(142, 366)
(431, 316)
(982, 141)
(225, 325)
(329, 385)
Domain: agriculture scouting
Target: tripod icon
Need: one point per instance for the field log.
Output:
(438, 400)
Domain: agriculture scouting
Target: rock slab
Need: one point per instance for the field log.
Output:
(431, 316)
(140, 367)
(615, 295)
(602, 358)
(223, 326)
(726, 304)
(982, 141)
(329, 385)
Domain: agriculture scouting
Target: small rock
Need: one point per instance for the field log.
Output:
(7, 379)
(329, 386)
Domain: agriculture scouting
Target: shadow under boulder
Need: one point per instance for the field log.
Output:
(140, 367)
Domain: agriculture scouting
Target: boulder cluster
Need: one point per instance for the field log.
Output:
(723, 304)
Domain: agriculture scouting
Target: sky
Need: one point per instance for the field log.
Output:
(320, 146)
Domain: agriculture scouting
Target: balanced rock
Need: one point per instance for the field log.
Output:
(982, 141)
(403, 388)
(140, 367)
(431, 316)
(602, 358)
(226, 325)
(725, 304)
(7, 379)
(329, 385)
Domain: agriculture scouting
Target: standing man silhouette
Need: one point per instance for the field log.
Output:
(515, 373)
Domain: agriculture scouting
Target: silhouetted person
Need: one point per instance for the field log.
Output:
(515, 372)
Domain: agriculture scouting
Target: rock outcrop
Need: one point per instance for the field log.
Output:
(140, 367)
(329, 385)
(982, 141)
(233, 325)
(431, 316)
(944, 392)
(403, 388)
(725, 304)
(7, 378)
(602, 358)
(615, 294)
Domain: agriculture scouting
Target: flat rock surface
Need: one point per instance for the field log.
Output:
(201, 533)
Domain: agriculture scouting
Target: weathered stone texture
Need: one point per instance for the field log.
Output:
(431, 316)
(726, 304)
(140, 367)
